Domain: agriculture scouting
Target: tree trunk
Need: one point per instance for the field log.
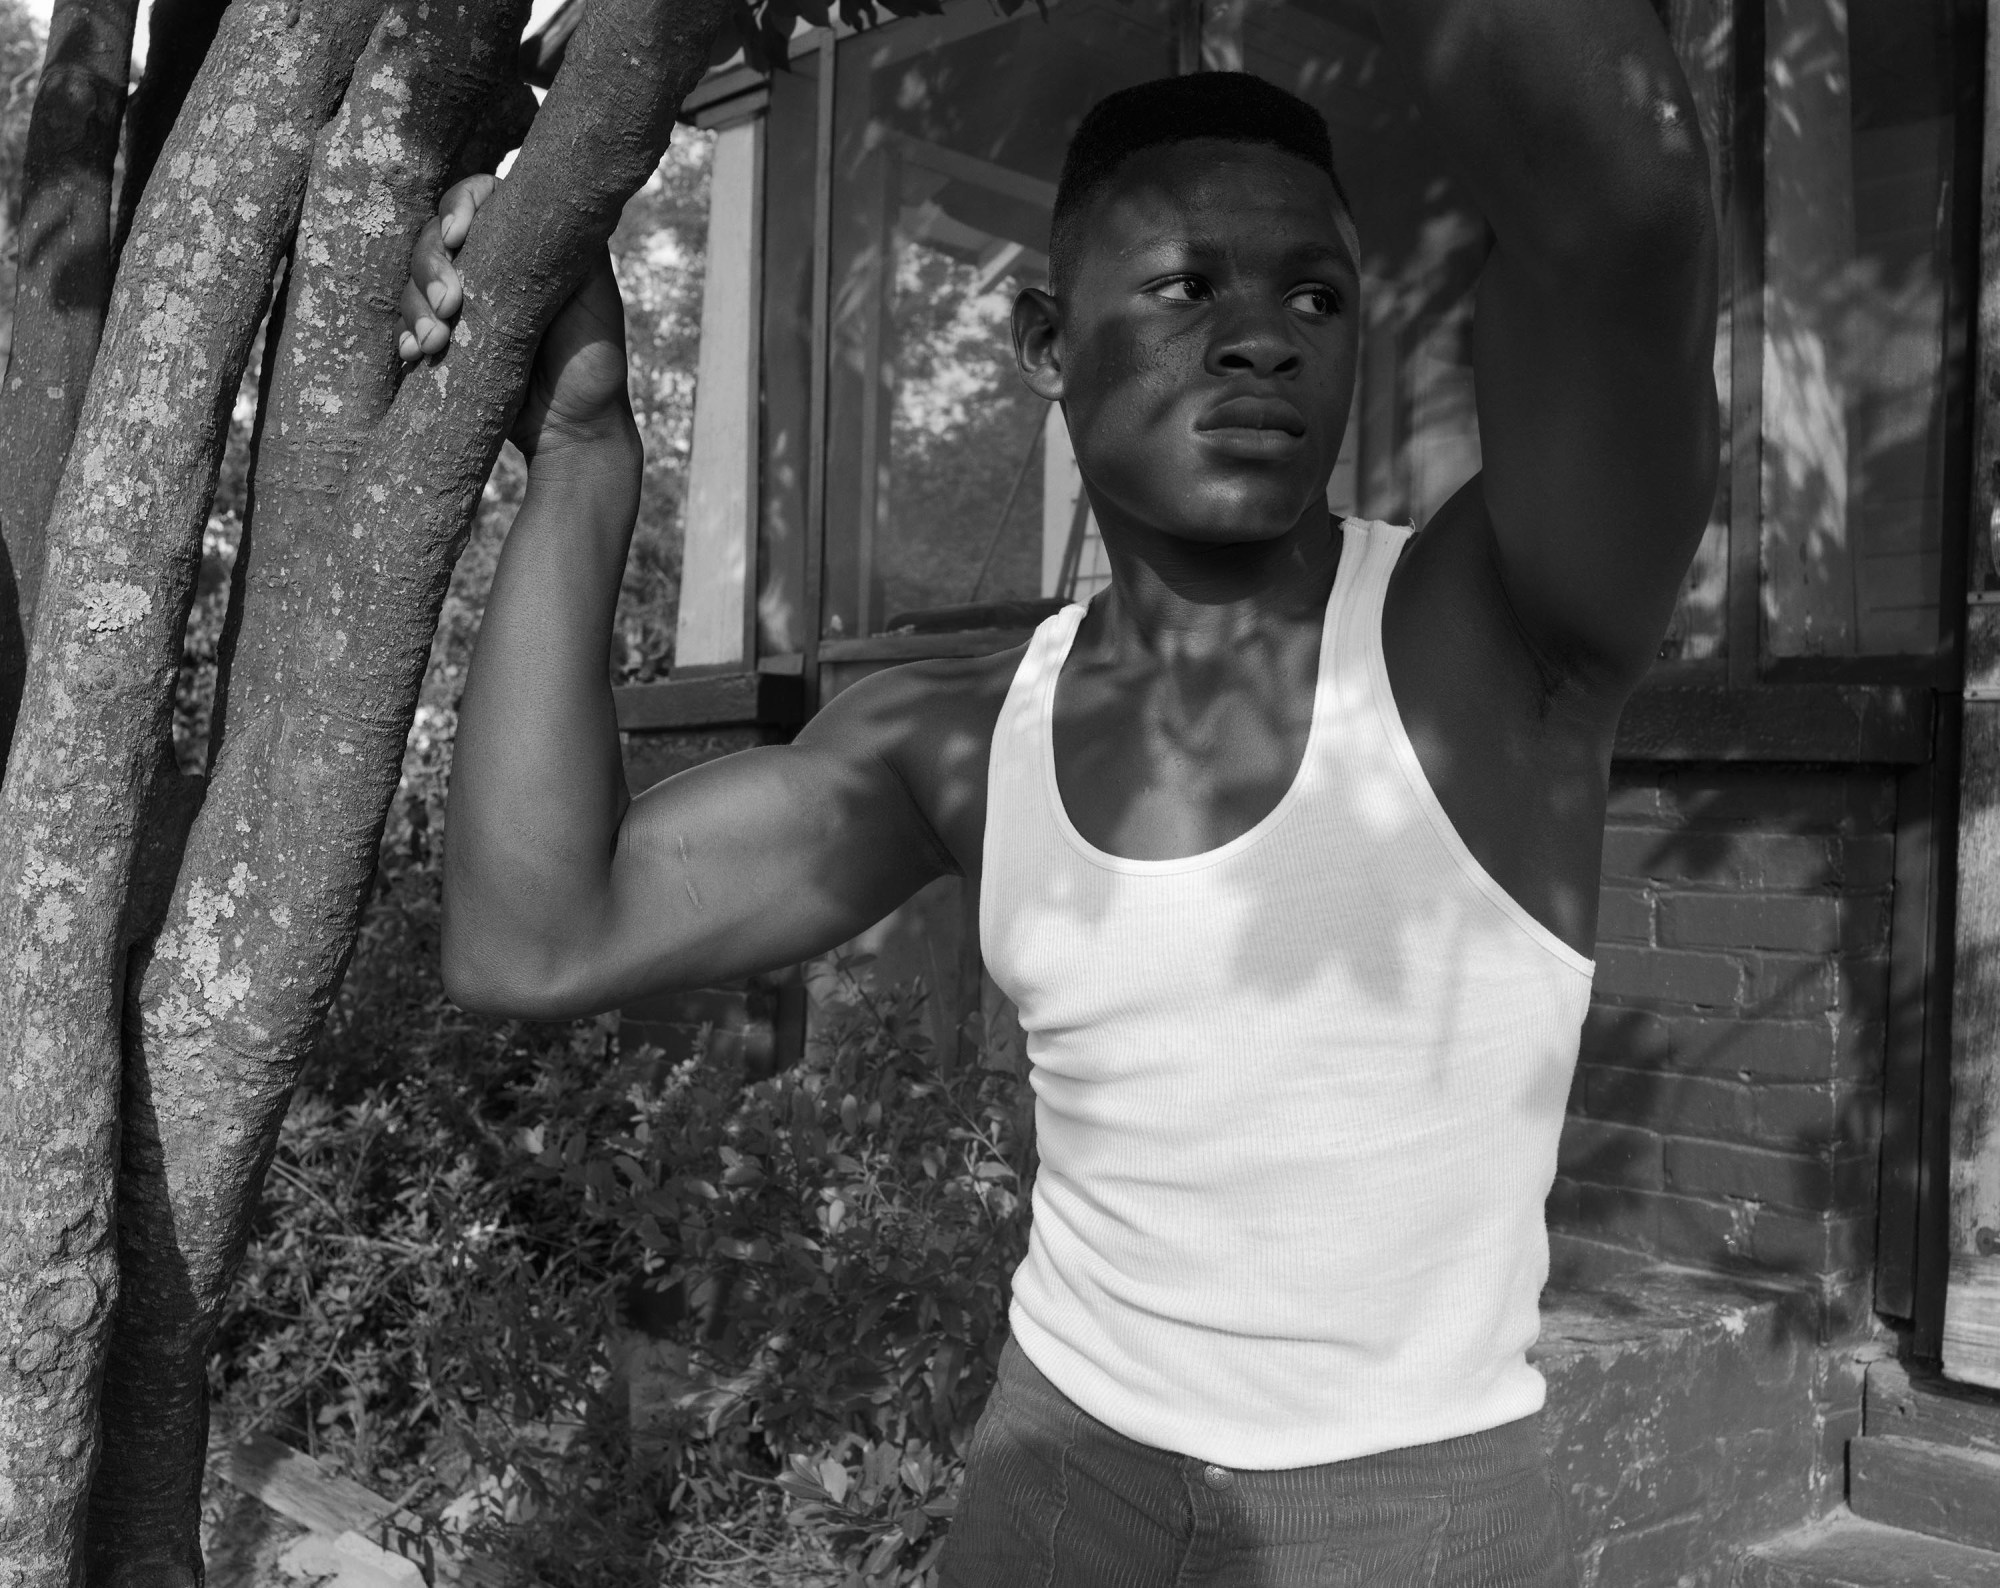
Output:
(178, 34)
(359, 516)
(122, 548)
(277, 863)
(61, 287)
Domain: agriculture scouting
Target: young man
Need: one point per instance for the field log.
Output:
(1287, 844)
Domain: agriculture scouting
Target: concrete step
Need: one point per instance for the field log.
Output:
(1687, 1417)
(1946, 1491)
(1843, 1551)
(1906, 1402)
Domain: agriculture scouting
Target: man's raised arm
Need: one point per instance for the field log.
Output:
(563, 896)
(1574, 128)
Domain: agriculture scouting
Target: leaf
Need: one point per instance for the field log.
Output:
(886, 1549)
(833, 1477)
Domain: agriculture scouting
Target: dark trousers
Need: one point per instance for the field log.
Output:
(1055, 1499)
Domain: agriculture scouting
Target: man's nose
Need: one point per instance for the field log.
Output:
(1253, 344)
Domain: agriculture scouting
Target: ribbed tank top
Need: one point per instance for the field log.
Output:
(1296, 1098)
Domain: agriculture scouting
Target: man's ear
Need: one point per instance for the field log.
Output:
(1038, 342)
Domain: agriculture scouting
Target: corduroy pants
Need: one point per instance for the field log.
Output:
(1055, 1499)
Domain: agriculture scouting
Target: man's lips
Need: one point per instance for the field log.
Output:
(1254, 413)
(1253, 427)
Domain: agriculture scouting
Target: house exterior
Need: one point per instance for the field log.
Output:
(1775, 1294)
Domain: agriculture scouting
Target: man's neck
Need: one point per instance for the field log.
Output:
(1176, 599)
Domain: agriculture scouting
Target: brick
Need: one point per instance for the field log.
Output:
(1789, 801)
(1608, 1154)
(1701, 1230)
(1753, 861)
(1624, 915)
(1867, 986)
(1625, 1036)
(1804, 923)
(1784, 985)
(1756, 1174)
(1620, 1215)
(1680, 976)
(1787, 1242)
(1859, 1048)
(1728, 1045)
(1696, 1105)
(1868, 860)
(1633, 800)
(1864, 922)
(1818, 1116)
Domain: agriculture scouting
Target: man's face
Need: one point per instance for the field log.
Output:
(1204, 350)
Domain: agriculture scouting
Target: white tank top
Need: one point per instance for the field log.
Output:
(1296, 1098)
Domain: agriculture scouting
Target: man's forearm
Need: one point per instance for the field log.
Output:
(538, 788)
(1570, 120)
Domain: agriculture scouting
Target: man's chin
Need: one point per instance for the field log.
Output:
(1242, 523)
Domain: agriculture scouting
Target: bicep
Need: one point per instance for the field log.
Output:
(756, 860)
(1598, 427)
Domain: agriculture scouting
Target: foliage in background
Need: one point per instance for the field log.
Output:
(464, 1216)
(659, 252)
(461, 1213)
(962, 432)
(20, 71)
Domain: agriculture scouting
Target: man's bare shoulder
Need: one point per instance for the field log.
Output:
(931, 723)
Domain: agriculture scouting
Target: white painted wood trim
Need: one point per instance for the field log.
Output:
(1971, 1332)
(717, 617)
(1972, 1321)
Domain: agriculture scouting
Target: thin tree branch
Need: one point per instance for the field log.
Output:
(178, 34)
(61, 288)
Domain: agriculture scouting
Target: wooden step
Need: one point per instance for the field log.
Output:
(1946, 1491)
(1916, 1403)
(1846, 1552)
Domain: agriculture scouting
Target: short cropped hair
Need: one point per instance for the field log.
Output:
(1234, 106)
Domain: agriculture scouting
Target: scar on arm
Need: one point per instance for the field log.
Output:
(687, 871)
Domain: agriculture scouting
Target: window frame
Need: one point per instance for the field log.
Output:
(1740, 705)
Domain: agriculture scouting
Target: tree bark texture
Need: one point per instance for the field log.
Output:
(122, 549)
(358, 518)
(178, 34)
(61, 287)
(232, 993)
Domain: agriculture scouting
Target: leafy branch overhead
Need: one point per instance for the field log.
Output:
(762, 30)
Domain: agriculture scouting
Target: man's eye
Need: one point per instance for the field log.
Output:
(1184, 289)
(1317, 301)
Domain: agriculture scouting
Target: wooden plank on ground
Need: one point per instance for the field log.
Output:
(299, 1489)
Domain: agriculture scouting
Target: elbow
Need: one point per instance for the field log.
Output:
(505, 982)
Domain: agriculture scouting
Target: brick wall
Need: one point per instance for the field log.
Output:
(1725, 1112)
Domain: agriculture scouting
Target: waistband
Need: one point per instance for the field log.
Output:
(1468, 1461)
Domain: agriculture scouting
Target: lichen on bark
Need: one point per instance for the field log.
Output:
(229, 996)
(122, 544)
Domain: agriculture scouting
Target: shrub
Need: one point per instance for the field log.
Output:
(462, 1214)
